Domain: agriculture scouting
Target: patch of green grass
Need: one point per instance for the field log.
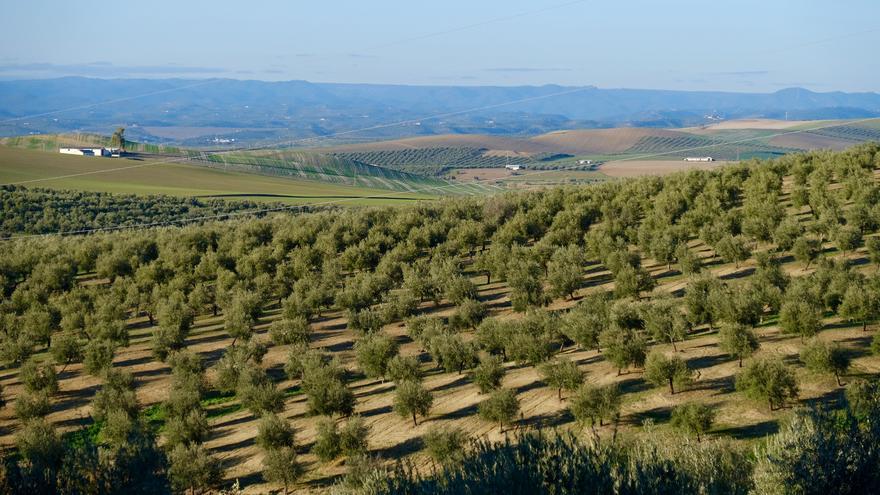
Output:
(83, 436)
(223, 411)
(214, 398)
(155, 416)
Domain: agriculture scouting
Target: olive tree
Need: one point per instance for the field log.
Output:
(501, 407)
(820, 357)
(768, 379)
(692, 418)
(591, 404)
(488, 374)
(738, 340)
(412, 399)
(562, 374)
(661, 370)
(374, 352)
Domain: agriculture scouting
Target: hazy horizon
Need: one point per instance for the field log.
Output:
(684, 45)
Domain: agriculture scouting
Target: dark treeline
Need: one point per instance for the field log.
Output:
(66, 300)
(42, 211)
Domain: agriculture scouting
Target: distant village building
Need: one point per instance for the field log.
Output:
(585, 162)
(514, 167)
(699, 159)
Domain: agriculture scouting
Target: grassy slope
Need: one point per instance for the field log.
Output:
(180, 180)
(298, 165)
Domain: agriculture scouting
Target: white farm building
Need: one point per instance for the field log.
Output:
(85, 151)
(514, 167)
(699, 159)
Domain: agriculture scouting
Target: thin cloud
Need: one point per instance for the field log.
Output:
(105, 69)
(741, 73)
(528, 69)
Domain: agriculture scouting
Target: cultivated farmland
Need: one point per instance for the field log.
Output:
(499, 315)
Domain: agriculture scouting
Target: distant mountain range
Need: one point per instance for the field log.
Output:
(205, 112)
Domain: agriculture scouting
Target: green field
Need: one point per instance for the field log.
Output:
(178, 179)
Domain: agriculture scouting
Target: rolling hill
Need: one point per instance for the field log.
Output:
(146, 176)
(726, 141)
(193, 112)
(294, 165)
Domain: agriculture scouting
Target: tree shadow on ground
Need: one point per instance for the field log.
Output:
(140, 375)
(247, 442)
(657, 415)
(588, 360)
(752, 431)
(206, 339)
(459, 381)
(633, 385)
(741, 273)
(547, 420)
(721, 385)
(381, 389)
(340, 346)
(134, 361)
(462, 412)
(833, 398)
(70, 399)
(703, 362)
(376, 411)
(234, 422)
(528, 386)
(402, 449)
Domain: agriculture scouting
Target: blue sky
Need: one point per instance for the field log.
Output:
(743, 45)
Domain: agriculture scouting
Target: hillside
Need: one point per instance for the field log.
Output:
(727, 141)
(146, 175)
(297, 320)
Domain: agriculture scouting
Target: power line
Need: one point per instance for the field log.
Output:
(431, 188)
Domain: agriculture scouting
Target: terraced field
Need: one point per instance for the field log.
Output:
(323, 168)
(681, 147)
(437, 161)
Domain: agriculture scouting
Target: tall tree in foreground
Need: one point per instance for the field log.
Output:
(118, 138)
